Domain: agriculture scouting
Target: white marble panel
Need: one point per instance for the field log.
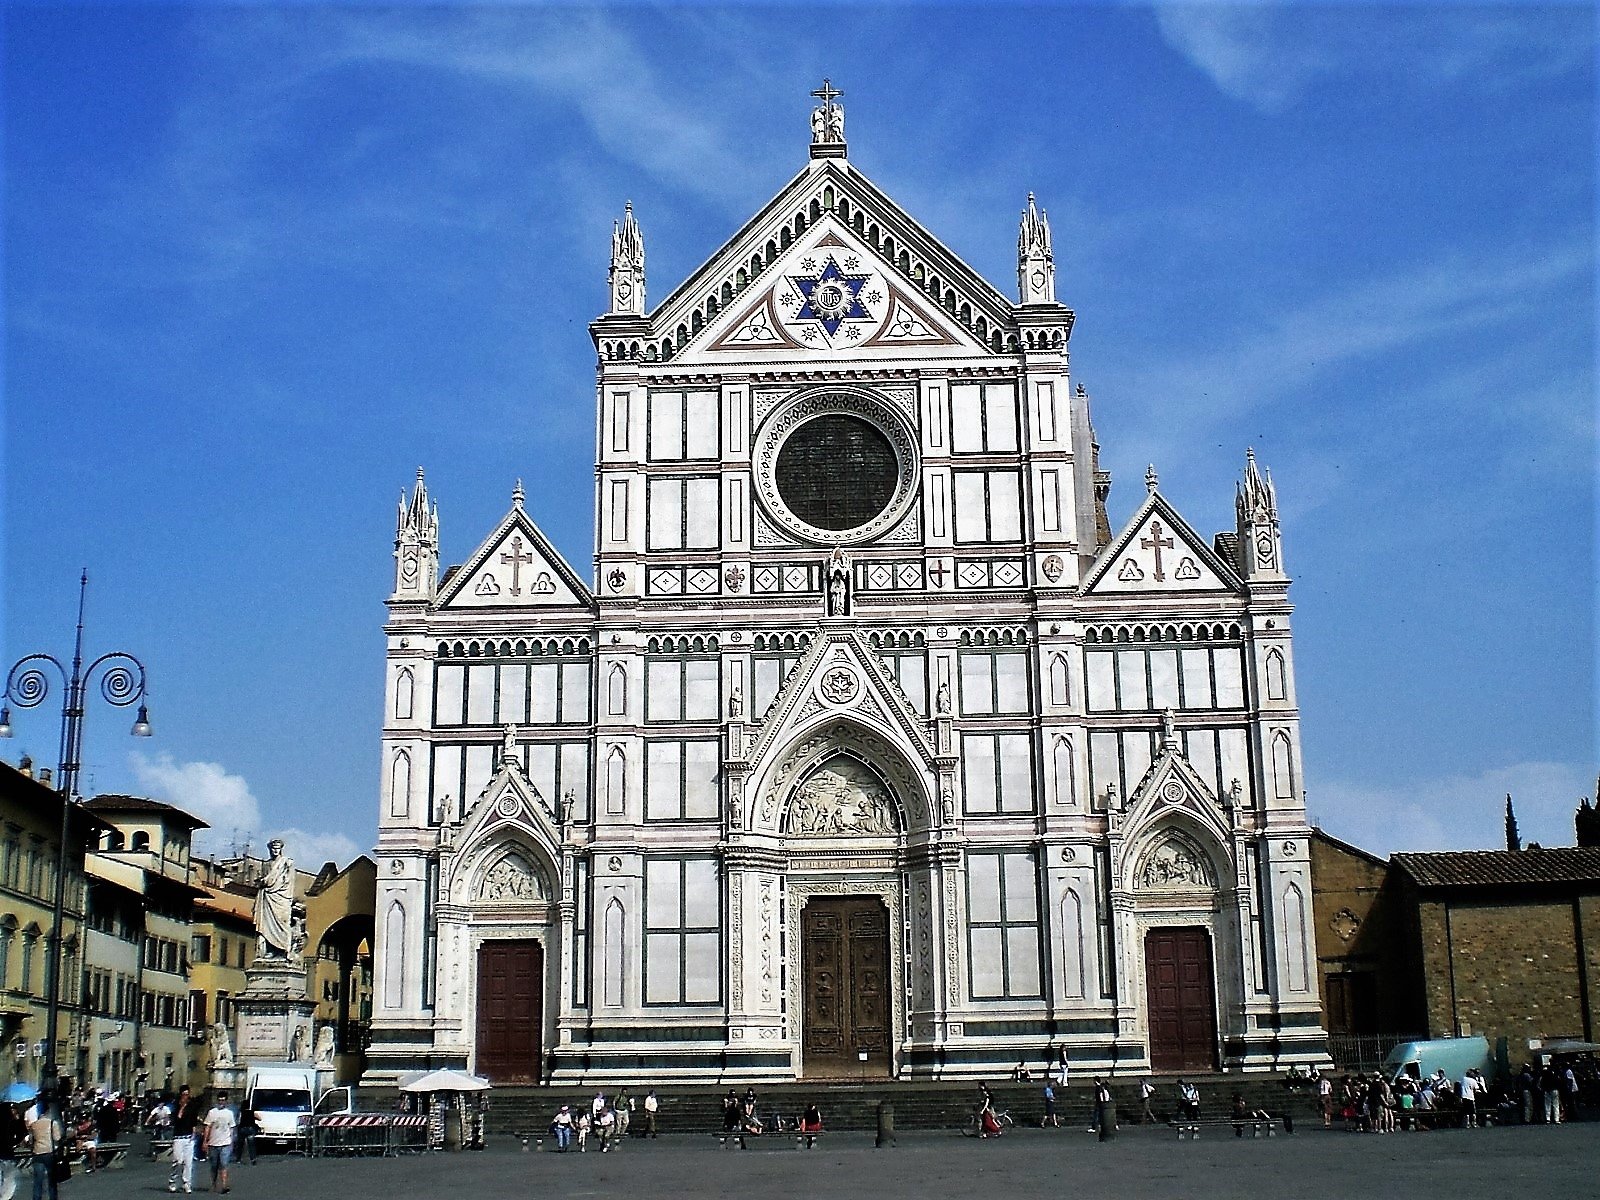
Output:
(966, 418)
(700, 505)
(542, 695)
(1102, 686)
(1196, 666)
(666, 426)
(1005, 506)
(1230, 677)
(1164, 678)
(701, 432)
(1000, 417)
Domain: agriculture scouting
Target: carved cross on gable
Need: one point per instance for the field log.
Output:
(1154, 542)
(516, 558)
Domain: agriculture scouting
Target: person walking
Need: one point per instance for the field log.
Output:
(220, 1127)
(651, 1107)
(1147, 1092)
(561, 1127)
(44, 1138)
(1325, 1098)
(730, 1111)
(1550, 1085)
(249, 1126)
(185, 1115)
(1050, 1117)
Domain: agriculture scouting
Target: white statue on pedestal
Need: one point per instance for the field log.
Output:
(275, 905)
(327, 1047)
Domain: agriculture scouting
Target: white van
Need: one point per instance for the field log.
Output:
(281, 1099)
(1453, 1056)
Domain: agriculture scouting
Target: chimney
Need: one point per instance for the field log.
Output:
(26, 766)
(44, 776)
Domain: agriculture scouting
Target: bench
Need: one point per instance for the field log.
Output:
(160, 1146)
(1191, 1126)
(112, 1155)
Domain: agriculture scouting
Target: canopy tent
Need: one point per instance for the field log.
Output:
(445, 1081)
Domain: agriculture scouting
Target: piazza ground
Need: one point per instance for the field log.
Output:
(1140, 1163)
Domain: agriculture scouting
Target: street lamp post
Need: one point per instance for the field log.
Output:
(122, 683)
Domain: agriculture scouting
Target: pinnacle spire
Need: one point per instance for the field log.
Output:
(1036, 264)
(1151, 479)
(1513, 837)
(627, 264)
(516, 495)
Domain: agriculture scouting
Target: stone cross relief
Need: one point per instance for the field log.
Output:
(516, 558)
(1154, 542)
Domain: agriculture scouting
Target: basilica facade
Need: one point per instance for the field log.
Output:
(869, 749)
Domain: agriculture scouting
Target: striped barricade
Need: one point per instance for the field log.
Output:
(408, 1135)
(352, 1133)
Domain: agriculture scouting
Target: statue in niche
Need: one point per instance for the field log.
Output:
(941, 701)
(1174, 864)
(509, 879)
(838, 584)
(736, 704)
(841, 799)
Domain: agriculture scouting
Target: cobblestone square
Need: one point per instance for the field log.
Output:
(1138, 1164)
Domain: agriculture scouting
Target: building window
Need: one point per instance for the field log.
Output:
(200, 948)
(682, 689)
(683, 426)
(997, 773)
(983, 418)
(683, 514)
(11, 852)
(1003, 926)
(30, 938)
(988, 506)
(681, 939)
(770, 672)
(7, 932)
(680, 781)
(994, 683)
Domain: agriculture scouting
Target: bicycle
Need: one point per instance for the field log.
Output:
(974, 1127)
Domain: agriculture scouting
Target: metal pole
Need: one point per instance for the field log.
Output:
(71, 749)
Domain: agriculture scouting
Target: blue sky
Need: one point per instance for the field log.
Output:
(262, 262)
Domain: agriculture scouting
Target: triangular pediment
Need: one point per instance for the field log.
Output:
(515, 567)
(750, 298)
(510, 812)
(1159, 552)
(1172, 788)
(841, 676)
(831, 295)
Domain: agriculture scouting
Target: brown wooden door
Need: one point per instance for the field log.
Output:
(845, 974)
(1182, 1000)
(510, 1010)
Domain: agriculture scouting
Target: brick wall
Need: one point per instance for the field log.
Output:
(1505, 969)
(1360, 926)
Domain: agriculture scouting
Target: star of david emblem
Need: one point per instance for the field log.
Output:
(831, 297)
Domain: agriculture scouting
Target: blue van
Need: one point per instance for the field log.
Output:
(1454, 1056)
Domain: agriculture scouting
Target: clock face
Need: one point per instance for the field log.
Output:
(837, 472)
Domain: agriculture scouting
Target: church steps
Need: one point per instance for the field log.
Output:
(853, 1106)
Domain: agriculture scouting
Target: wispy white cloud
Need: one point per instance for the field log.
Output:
(224, 800)
(1269, 55)
(1192, 395)
(1457, 812)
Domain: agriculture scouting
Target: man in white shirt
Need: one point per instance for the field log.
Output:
(220, 1125)
(1325, 1099)
(651, 1107)
(1471, 1088)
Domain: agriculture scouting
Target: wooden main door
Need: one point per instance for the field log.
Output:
(845, 980)
(510, 1010)
(1181, 999)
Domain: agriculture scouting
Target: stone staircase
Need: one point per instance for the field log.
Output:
(919, 1105)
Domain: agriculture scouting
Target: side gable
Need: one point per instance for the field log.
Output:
(1159, 552)
(515, 567)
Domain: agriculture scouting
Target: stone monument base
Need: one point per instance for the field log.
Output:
(273, 1017)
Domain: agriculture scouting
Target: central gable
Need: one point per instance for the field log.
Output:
(759, 294)
(831, 295)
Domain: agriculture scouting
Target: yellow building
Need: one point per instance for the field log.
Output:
(145, 850)
(30, 843)
(222, 941)
(340, 907)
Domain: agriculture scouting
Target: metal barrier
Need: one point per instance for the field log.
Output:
(350, 1134)
(1365, 1051)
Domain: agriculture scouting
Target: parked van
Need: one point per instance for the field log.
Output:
(281, 1098)
(1454, 1056)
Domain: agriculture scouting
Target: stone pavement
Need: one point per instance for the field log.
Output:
(1142, 1163)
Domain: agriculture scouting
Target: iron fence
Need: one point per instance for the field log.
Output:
(1366, 1051)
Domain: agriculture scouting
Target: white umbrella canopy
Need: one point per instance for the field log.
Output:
(446, 1081)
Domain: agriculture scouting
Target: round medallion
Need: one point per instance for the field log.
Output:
(1068, 854)
(614, 864)
(1172, 792)
(617, 578)
(836, 466)
(839, 686)
(396, 867)
(1288, 847)
(1053, 566)
(507, 805)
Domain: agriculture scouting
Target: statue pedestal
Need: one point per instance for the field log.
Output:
(273, 1016)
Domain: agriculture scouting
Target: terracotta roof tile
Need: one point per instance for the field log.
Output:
(1476, 868)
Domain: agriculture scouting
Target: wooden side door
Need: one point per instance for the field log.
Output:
(510, 1010)
(1180, 1000)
